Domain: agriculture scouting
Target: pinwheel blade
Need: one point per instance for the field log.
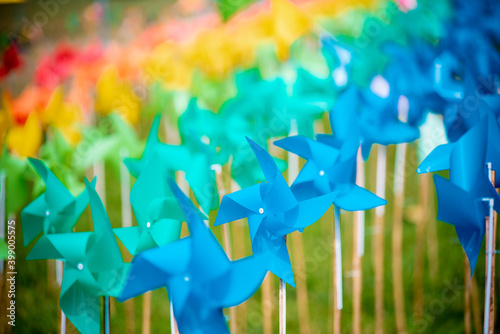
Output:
(153, 268)
(244, 278)
(240, 204)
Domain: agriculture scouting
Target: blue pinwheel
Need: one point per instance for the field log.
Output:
(54, 211)
(440, 158)
(461, 198)
(93, 266)
(331, 166)
(199, 277)
(273, 211)
(370, 119)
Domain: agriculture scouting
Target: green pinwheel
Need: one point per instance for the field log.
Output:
(93, 266)
(107, 142)
(16, 172)
(60, 158)
(54, 211)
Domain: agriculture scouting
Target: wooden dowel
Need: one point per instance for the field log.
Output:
(282, 305)
(358, 251)
(476, 304)
(267, 304)
(397, 237)
(418, 276)
(467, 294)
(226, 240)
(336, 288)
(146, 313)
(301, 284)
(378, 241)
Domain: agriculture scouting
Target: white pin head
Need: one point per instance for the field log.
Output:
(148, 224)
(186, 278)
(321, 172)
(80, 266)
(47, 213)
(261, 210)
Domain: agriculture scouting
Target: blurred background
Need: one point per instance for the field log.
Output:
(81, 82)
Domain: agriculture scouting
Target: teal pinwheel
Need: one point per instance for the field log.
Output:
(93, 266)
(159, 219)
(273, 211)
(199, 277)
(54, 211)
(195, 164)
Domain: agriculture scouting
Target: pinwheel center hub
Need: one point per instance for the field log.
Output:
(205, 140)
(321, 172)
(186, 278)
(148, 224)
(261, 211)
(47, 213)
(80, 266)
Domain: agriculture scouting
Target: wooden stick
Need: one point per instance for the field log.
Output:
(282, 305)
(226, 240)
(358, 251)
(337, 272)
(378, 241)
(267, 305)
(476, 304)
(397, 238)
(126, 211)
(146, 313)
(467, 293)
(298, 248)
(301, 283)
(239, 252)
(489, 302)
(432, 243)
(418, 276)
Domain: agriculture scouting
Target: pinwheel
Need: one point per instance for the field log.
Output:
(440, 158)
(229, 8)
(311, 97)
(62, 158)
(116, 95)
(369, 118)
(25, 140)
(93, 266)
(460, 199)
(16, 169)
(63, 116)
(107, 142)
(196, 165)
(330, 167)
(199, 277)
(53, 212)
(273, 211)
(158, 218)
(11, 60)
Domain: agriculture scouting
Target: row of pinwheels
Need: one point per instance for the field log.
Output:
(93, 264)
